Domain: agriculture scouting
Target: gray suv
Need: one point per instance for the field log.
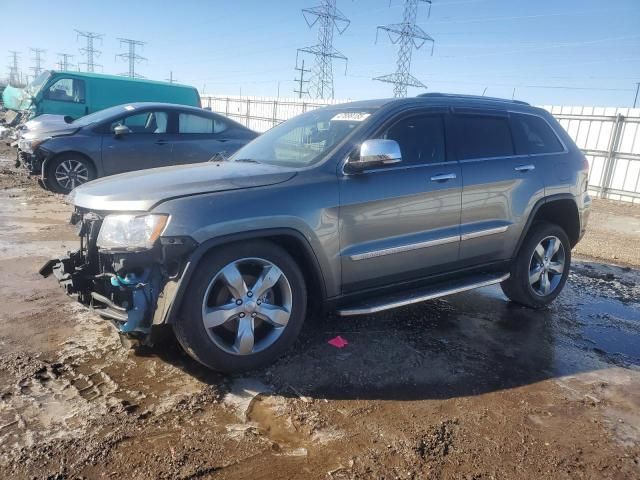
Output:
(354, 208)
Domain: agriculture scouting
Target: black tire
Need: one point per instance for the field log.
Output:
(59, 186)
(518, 287)
(189, 327)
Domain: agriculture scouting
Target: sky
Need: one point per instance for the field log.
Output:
(571, 52)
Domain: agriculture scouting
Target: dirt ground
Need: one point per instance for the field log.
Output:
(468, 387)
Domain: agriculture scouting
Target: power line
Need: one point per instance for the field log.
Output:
(90, 51)
(131, 56)
(37, 61)
(329, 18)
(301, 81)
(64, 64)
(409, 36)
(635, 102)
(14, 75)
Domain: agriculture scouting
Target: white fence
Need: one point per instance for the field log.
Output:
(609, 137)
(262, 113)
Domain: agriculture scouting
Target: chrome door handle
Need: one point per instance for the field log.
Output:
(443, 177)
(525, 168)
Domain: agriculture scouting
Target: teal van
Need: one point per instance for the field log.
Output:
(78, 93)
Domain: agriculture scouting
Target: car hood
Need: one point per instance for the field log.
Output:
(141, 190)
(47, 126)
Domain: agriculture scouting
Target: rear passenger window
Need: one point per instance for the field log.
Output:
(480, 136)
(421, 139)
(533, 134)
(188, 123)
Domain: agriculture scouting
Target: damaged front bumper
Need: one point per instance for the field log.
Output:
(132, 289)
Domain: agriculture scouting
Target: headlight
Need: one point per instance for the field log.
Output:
(131, 232)
(30, 145)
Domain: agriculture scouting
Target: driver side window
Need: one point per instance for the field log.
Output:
(421, 139)
(66, 90)
(147, 122)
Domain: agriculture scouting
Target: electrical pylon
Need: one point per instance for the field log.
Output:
(330, 19)
(408, 36)
(90, 51)
(131, 56)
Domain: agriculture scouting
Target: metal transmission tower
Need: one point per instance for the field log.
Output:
(14, 74)
(409, 36)
(90, 51)
(37, 61)
(64, 64)
(131, 56)
(301, 81)
(329, 19)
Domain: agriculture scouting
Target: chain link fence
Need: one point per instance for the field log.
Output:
(609, 137)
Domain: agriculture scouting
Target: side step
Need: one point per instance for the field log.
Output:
(426, 293)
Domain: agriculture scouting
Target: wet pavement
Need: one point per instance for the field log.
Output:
(470, 386)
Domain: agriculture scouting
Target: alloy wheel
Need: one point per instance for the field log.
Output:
(71, 173)
(247, 306)
(547, 266)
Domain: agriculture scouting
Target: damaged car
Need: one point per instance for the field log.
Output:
(66, 153)
(356, 208)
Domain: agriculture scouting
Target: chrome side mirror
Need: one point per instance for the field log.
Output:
(376, 153)
(120, 130)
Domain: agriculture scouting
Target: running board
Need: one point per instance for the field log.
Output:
(423, 294)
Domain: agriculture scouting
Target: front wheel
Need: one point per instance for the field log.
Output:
(68, 171)
(540, 270)
(245, 306)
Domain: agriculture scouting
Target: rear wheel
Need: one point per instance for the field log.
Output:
(540, 270)
(245, 306)
(67, 171)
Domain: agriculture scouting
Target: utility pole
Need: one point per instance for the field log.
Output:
(635, 102)
(64, 64)
(90, 51)
(301, 81)
(37, 61)
(14, 74)
(329, 18)
(409, 36)
(171, 79)
(131, 56)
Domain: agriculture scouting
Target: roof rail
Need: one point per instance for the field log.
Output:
(470, 97)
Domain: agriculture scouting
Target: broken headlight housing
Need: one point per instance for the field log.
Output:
(130, 231)
(30, 145)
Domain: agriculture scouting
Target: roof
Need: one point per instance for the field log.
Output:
(117, 77)
(435, 98)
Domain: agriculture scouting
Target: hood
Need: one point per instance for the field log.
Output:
(141, 190)
(47, 126)
(47, 123)
(16, 98)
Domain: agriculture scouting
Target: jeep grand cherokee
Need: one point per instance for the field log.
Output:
(356, 208)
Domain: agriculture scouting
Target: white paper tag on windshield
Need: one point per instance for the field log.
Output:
(351, 116)
(129, 107)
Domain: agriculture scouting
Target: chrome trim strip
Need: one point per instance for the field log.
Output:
(404, 248)
(483, 233)
(347, 312)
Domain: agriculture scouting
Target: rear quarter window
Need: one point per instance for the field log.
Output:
(533, 135)
(480, 136)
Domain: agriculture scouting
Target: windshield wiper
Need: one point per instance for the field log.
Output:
(246, 160)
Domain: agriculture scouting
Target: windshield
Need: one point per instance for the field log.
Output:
(102, 115)
(36, 84)
(305, 139)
